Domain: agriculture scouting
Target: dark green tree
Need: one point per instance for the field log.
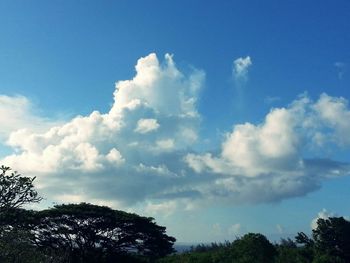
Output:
(306, 251)
(289, 252)
(330, 242)
(332, 239)
(91, 233)
(253, 248)
(15, 246)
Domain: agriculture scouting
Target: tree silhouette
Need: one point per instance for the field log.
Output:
(16, 190)
(91, 233)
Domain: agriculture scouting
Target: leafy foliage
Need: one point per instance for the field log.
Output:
(16, 190)
(250, 248)
(332, 239)
(253, 247)
(15, 246)
(289, 252)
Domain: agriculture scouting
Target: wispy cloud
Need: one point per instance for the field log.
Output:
(279, 229)
(17, 112)
(271, 99)
(240, 68)
(240, 76)
(234, 229)
(341, 67)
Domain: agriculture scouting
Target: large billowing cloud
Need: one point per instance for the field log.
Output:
(274, 159)
(140, 151)
(132, 153)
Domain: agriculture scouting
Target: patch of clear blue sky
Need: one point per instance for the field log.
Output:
(73, 48)
(66, 56)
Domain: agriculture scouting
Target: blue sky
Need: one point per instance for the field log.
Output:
(235, 119)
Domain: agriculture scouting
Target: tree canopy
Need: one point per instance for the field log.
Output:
(88, 231)
(72, 232)
(253, 247)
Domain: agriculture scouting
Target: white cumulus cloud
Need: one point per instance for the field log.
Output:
(124, 155)
(146, 125)
(265, 162)
(334, 113)
(141, 150)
